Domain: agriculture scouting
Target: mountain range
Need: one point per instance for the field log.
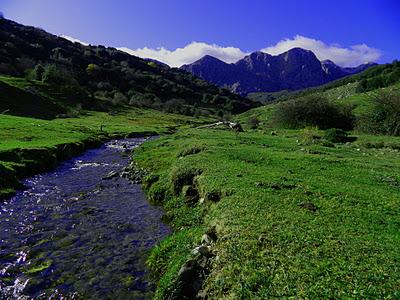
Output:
(261, 72)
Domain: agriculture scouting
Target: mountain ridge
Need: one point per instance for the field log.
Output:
(294, 69)
(94, 76)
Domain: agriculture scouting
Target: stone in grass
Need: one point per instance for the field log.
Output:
(206, 239)
(309, 206)
(190, 280)
(202, 250)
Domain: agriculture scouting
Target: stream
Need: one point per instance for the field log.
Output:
(74, 233)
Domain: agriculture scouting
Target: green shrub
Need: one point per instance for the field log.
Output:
(119, 98)
(253, 122)
(56, 75)
(384, 116)
(314, 110)
(310, 136)
(336, 135)
(381, 145)
(35, 73)
(376, 145)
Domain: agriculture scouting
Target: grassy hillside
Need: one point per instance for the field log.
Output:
(96, 76)
(33, 98)
(20, 132)
(292, 218)
(374, 78)
(342, 95)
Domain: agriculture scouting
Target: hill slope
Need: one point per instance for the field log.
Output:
(100, 73)
(262, 72)
(375, 77)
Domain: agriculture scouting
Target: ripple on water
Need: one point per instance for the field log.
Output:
(72, 235)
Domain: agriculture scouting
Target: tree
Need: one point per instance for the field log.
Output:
(362, 86)
(384, 116)
(56, 75)
(38, 72)
(93, 70)
(119, 98)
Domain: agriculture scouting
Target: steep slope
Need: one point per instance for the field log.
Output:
(105, 74)
(261, 72)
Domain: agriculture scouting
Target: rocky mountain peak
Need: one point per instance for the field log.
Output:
(294, 69)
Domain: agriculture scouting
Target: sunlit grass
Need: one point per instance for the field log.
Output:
(269, 244)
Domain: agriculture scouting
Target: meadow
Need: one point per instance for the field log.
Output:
(293, 218)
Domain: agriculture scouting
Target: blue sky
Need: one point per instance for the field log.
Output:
(181, 31)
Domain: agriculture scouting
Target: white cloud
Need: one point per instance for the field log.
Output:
(74, 40)
(188, 54)
(345, 57)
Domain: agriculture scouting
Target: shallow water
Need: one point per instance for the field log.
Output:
(73, 234)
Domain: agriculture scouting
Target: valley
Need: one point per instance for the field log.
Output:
(113, 184)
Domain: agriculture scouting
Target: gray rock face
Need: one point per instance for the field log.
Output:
(262, 72)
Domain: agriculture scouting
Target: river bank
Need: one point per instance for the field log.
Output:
(29, 146)
(80, 231)
(17, 164)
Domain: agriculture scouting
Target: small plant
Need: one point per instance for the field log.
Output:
(310, 136)
(253, 122)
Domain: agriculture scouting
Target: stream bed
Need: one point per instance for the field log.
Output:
(78, 233)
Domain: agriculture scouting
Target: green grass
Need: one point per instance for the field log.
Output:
(20, 133)
(268, 245)
(31, 99)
